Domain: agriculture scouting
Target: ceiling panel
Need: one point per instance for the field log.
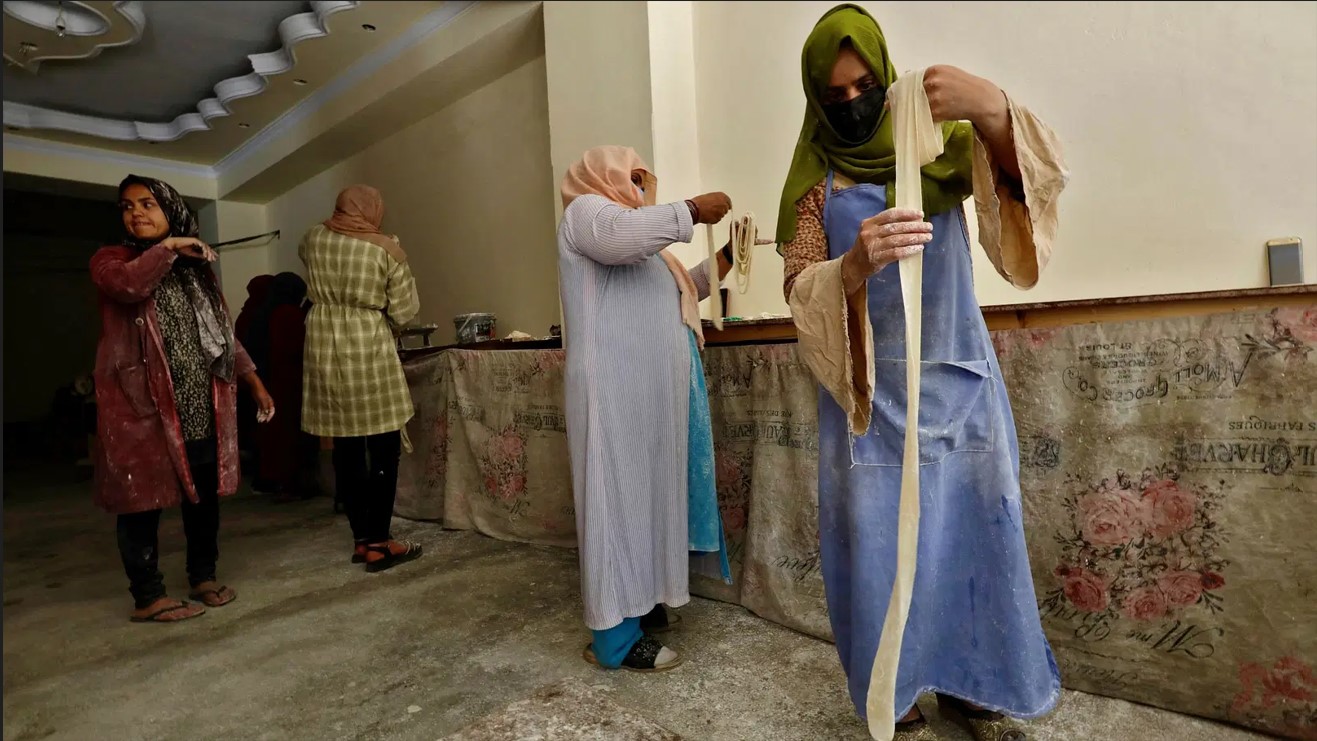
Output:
(186, 48)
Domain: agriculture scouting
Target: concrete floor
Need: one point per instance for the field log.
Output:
(317, 649)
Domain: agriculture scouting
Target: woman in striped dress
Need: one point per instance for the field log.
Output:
(637, 416)
(354, 390)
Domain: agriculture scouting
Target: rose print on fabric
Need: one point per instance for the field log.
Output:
(732, 469)
(1007, 341)
(436, 463)
(542, 363)
(1281, 697)
(1289, 332)
(1111, 518)
(503, 465)
(1141, 549)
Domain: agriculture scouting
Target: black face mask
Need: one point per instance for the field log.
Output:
(857, 119)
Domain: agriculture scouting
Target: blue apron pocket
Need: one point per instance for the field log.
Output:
(957, 412)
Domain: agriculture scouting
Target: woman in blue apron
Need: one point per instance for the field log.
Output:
(973, 635)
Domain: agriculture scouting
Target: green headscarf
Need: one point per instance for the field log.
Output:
(947, 180)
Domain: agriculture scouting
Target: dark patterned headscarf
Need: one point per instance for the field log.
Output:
(196, 276)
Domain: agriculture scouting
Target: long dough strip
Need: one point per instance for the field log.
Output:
(715, 294)
(918, 141)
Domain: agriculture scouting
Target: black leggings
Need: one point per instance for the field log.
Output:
(138, 535)
(366, 476)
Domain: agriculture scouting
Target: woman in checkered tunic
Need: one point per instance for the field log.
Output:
(354, 391)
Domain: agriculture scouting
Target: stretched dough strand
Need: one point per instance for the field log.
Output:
(743, 242)
(918, 141)
(715, 295)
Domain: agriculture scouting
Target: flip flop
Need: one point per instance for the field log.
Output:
(203, 596)
(156, 616)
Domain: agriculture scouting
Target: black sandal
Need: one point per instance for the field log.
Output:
(643, 657)
(659, 620)
(390, 558)
(914, 730)
(983, 725)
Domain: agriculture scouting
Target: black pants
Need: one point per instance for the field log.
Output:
(366, 476)
(139, 534)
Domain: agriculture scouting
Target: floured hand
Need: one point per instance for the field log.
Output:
(956, 95)
(189, 247)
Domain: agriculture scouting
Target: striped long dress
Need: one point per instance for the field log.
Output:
(628, 397)
(353, 380)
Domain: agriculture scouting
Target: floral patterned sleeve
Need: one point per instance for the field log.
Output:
(810, 245)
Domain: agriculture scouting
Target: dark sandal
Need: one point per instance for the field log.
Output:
(642, 657)
(359, 553)
(391, 559)
(983, 725)
(659, 620)
(155, 617)
(214, 597)
(915, 730)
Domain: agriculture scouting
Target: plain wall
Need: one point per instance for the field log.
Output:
(1188, 127)
(598, 80)
(676, 119)
(467, 190)
(222, 221)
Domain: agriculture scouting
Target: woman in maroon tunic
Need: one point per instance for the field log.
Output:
(166, 392)
(275, 342)
(258, 293)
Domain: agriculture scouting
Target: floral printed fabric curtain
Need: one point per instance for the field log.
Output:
(1169, 474)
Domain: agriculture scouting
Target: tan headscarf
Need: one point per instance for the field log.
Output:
(358, 213)
(606, 171)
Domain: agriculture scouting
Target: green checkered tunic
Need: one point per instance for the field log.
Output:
(353, 383)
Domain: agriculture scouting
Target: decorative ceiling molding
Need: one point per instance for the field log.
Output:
(416, 34)
(68, 30)
(368, 65)
(292, 31)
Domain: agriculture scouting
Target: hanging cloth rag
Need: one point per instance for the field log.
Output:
(705, 524)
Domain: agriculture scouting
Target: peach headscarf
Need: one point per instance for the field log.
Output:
(358, 213)
(606, 171)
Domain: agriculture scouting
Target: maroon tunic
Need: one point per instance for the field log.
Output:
(278, 443)
(141, 460)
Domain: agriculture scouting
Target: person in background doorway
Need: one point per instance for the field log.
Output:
(361, 290)
(973, 635)
(166, 375)
(258, 291)
(275, 342)
(638, 423)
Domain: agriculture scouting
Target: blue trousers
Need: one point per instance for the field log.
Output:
(612, 645)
